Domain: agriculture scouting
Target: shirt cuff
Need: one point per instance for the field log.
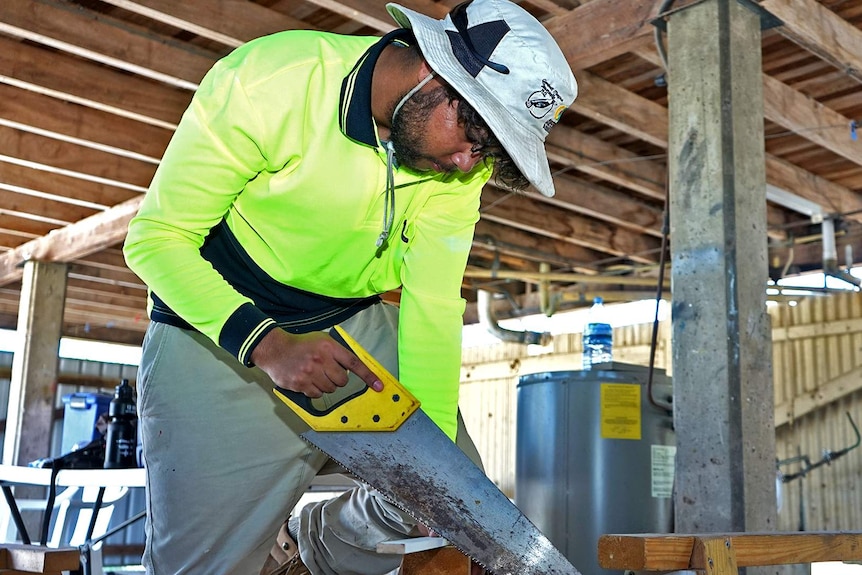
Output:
(243, 330)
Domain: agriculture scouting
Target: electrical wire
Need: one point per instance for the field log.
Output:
(665, 232)
(657, 33)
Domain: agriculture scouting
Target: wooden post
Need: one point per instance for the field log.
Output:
(35, 363)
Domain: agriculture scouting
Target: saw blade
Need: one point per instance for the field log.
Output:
(422, 471)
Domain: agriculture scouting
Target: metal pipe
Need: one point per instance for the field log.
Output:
(830, 255)
(546, 303)
(537, 277)
(487, 319)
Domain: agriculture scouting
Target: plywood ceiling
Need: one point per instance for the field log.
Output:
(90, 92)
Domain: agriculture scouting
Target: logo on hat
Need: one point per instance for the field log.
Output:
(543, 100)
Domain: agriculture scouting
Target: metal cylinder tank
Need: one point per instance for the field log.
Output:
(594, 456)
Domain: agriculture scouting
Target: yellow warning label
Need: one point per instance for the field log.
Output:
(621, 411)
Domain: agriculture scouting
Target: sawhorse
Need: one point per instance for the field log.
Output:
(725, 553)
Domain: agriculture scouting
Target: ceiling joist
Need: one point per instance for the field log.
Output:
(91, 91)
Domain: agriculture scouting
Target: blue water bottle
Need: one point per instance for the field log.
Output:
(598, 336)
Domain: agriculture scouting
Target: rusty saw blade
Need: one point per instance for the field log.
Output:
(417, 467)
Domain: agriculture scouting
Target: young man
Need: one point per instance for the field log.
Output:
(311, 173)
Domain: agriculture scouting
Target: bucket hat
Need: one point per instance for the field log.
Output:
(500, 59)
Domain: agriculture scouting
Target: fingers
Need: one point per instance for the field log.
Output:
(312, 364)
(336, 375)
(352, 363)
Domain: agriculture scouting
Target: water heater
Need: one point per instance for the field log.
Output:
(595, 455)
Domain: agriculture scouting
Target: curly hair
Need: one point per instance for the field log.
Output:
(506, 172)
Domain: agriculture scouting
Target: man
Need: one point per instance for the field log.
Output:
(311, 173)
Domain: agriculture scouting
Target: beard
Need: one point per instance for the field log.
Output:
(407, 133)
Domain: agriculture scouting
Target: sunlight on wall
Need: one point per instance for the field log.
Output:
(72, 348)
(619, 315)
(835, 568)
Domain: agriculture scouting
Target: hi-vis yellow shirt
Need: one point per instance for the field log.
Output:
(272, 191)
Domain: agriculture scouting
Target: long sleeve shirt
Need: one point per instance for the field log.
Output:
(269, 200)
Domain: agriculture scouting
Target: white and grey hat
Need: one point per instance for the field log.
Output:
(507, 66)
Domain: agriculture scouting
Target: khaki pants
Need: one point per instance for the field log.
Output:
(225, 464)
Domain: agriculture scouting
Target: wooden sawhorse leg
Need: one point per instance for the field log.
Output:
(714, 555)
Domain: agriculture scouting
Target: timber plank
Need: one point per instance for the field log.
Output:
(38, 559)
(671, 552)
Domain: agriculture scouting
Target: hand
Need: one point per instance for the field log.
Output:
(311, 363)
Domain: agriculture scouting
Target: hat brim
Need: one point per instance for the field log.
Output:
(525, 148)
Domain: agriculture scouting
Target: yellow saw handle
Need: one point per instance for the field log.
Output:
(365, 410)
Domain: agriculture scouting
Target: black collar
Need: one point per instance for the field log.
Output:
(354, 118)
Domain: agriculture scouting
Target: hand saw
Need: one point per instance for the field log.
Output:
(389, 443)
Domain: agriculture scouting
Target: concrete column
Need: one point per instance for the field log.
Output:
(35, 363)
(722, 366)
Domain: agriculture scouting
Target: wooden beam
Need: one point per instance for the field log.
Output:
(834, 197)
(67, 187)
(108, 259)
(215, 20)
(93, 275)
(809, 119)
(563, 277)
(111, 333)
(30, 111)
(778, 172)
(91, 294)
(18, 200)
(491, 236)
(109, 290)
(673, 552)
(797, 112)
(44, 153)
(825, 393)
(594, 156)
(601, 159)
(71, 79)
(821, 31)
(600, 30)
(76, 240)
(373, 14)
(526, 214)
(16, 220)
(605, 204)
(550, 6)
(98, 38)
(615, 106)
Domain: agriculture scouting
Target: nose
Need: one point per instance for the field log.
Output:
(465, 160)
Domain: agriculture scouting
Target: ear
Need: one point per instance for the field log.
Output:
(424, 70)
